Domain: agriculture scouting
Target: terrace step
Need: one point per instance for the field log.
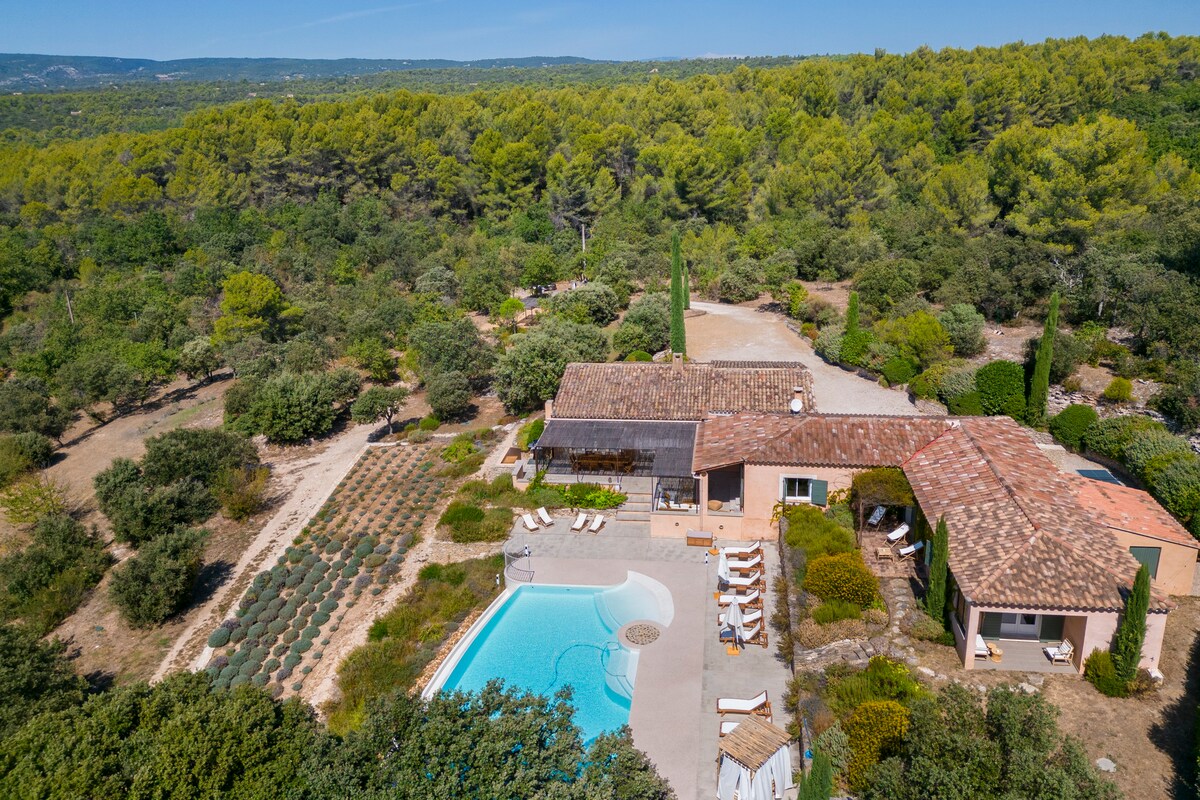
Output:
(632, 516)
(635, 505)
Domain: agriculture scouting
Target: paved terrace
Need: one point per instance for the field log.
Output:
(680, 676)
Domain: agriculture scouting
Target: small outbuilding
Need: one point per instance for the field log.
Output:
(754, 762)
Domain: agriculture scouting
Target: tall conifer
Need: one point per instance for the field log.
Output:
(678, 336)
(1039, 386)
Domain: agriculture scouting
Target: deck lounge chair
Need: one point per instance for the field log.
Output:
(742, 550)
(910, 551)
(544, 517)
(727, 727)
(981, 648)
(745, 582)
(753, 635)
(898, 534)
(529, 523)
(753, 598)
(876, 516)
(749, 618)
(1060, 653)
(580, 523)
(597, 524)
(744, 566)
(759, 704)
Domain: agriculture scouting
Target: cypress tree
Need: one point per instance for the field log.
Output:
(935, 596)
(1131, 633)
(818, 783)
(678, 336)
(1039, 387)
(852, 314)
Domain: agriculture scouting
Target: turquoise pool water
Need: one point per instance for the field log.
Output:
(546, 637)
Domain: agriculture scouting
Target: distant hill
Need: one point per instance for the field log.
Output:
(25, 72)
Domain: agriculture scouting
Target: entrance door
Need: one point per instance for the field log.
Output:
(1019, 626)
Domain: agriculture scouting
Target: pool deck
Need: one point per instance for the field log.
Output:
(673, 715)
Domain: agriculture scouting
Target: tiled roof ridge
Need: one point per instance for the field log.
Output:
(1038, 529)
(951, 426)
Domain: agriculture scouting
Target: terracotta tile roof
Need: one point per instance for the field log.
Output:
(1130, 510)
(642, 391)
(827, 440)
(1018, 534)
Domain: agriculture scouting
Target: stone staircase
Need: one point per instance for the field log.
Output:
(636, 508)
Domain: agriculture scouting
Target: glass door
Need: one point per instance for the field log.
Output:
(1019, 626)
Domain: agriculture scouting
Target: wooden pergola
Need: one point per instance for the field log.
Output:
(752, 743)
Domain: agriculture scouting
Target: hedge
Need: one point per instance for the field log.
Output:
(1071, 424)
(1109, 437)
(1148, 445)
(1001, 386)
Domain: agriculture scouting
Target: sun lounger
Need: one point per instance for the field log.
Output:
(529, 523)
(759, 704)
(910, 551)
(1060, 653)
(580, 523)
(981, 648)
(727, 727)
(753, 598)
(752, 635)
(746, 581)
(898, 534)
(744, 566)
(742, 550)
(749, 618)
(544, 517)
(876, 516)
(597, 524)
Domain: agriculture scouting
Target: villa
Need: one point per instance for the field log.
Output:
(1037, 555)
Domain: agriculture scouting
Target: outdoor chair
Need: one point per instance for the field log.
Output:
(876, 516)
(759, 704)
(530, 525)
(898, 534)
(911, 551)
(753, 635)
(1060, 653)
(727, 727)
(981, 648)
(742, 550)
(544, 517)
(753, 598)
(749, 618)
(744, 566)
(597, 524)
(580, 523)
(746, 581)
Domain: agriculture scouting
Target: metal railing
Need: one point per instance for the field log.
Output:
(511, 570)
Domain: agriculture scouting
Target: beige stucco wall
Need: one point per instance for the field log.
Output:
(761, 490)
(1176, 565)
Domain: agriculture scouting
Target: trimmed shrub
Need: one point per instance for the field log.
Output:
(1148, 445)
(898, 371)
(429, 423)
(1119, 390)
(320, 618)
(875, 729)
(966, 405)
(311, 632)
(301, 646)
(1071, 424)
(374, 560)
(1100, 671)
(277, 627)
(956, 383)
(842, 576)
(1001, 386)
(1177, 487)
(219, 637)
(256, 630)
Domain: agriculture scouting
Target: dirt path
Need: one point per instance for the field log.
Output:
(742, 333)
(306, 482)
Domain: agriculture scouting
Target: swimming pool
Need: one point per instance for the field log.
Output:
(542, 638)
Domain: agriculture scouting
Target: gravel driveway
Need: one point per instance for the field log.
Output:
(741, 333)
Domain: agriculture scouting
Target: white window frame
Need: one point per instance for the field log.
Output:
(783, 496)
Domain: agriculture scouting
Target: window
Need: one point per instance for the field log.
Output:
(797, 490)
(1148, 556)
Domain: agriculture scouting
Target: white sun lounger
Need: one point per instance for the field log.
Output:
(580, 522)
(740, 599)
(735, 563)
(752, 635)
(749, 618)
(544, 517)
(981, 648)
(759, 704)
(529, 523)
(753, 579)
(910, 551)
(727, 727)
(897, 534)
(742, 550)
(597, 524)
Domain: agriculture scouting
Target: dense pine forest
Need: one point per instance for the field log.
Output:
(326, 236)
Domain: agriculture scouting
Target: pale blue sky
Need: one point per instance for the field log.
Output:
(617, 29)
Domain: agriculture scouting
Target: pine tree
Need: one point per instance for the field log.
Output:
(1039, 387)
(852, 314)
(935, 596)
(678, 336)
(1131, 632)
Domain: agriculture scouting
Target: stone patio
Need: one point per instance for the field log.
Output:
(681, 675)
(1023, 656)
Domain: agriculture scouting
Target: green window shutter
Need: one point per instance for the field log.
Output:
(819, 492)
(1052, 628)
(1148, 556)
(989, 625)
